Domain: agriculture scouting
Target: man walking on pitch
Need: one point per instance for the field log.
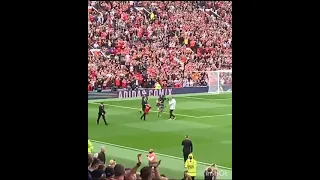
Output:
(144, 104)
(102, 113)
(144, 101)
(172, 104)
(160, 104)
(187, 147)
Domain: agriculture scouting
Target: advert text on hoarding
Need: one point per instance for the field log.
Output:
(148, 92)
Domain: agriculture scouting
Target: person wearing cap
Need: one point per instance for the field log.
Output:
(152, 158)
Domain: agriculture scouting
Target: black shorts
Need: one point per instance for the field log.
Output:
(143, 107)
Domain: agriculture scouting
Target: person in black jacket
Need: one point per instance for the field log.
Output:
(144, 102)
(187, 147)
(102, 113)
(102, 155)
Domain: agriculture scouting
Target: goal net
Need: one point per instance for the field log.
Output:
(217, 81)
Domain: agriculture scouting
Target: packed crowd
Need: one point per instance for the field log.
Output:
(136, 43)
(100, 169)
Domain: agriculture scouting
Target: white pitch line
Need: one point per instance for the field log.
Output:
(197, 117)
(164, 155)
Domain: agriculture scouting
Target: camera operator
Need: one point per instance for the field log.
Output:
(160, 104)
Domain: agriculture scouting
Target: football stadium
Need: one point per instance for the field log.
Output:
(141, 50)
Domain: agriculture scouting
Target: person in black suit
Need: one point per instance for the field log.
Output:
(144, 102)
(187, 147)
(102, 113)
(102, 155)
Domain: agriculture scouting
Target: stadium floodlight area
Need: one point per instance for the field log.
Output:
(218, 81)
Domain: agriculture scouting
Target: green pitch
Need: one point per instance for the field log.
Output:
(207, 119)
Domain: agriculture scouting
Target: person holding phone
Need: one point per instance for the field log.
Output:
(152, 158)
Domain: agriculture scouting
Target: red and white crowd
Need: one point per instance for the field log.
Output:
(138, 43)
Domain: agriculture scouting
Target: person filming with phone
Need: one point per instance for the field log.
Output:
(152, 158)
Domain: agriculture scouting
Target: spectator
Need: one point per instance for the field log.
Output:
(138, 43)
(102, 155)
(211, 173)
(130, 174)
(163, 177)
(94, 166)
(146, 173)
(163, 40)
(119, 172)
(109, 171)
(90, 160)
(186, 176)
(99, 172)
(112, 163)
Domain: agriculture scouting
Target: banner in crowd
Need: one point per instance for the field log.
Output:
(155, 92)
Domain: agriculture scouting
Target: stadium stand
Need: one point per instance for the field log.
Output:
(132, 42)
(136, 43)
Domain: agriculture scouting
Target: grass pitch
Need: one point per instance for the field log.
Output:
(207, 119)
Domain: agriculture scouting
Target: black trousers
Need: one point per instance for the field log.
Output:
(171, 113)
(144, 114)
(103, 117)
(185, 155)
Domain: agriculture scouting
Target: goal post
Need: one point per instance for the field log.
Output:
(220, 81)
(217, 81)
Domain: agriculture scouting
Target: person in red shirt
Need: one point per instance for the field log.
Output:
(118, 82)
(124, 83)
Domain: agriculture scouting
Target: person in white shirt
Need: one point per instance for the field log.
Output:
(172, 104)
